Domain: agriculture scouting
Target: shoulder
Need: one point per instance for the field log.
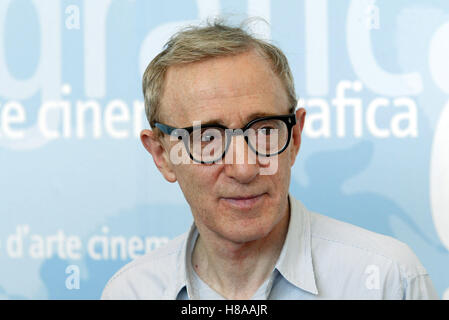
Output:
(148, 276)
(361, 245)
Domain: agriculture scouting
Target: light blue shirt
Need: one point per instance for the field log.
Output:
(321, 258)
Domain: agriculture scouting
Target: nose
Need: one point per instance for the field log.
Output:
(241, 162)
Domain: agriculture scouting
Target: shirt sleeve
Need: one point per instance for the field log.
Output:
(420, 287)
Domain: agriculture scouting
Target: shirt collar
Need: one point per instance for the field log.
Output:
(294, 263)
(183, 261)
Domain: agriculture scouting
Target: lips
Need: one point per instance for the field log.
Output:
(243, 202)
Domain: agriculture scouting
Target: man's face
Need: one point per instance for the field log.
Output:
(231, 200)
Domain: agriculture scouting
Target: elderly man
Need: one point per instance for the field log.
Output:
(250, 239)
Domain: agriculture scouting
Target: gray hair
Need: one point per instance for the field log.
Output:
(197, 43)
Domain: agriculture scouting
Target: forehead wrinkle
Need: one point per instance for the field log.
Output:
(219, 114)
(215, 109)
(202, 88)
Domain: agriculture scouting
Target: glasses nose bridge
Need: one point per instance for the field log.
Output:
(237, 132)
(230, 133)
(238, 150)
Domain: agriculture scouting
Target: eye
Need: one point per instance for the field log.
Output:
(265, 131)
(209, 135)
(207, 138)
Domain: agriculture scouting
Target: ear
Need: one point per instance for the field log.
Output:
(297, 133)
(160, 155)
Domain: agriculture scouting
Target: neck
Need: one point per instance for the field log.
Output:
(237, 270)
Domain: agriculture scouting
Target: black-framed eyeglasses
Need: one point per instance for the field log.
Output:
(266, 136)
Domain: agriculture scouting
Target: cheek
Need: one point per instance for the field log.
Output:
(197, 182)
(284, 167)
(290, 154)
(281, 181)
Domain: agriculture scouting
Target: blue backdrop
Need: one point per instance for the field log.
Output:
(79, 195)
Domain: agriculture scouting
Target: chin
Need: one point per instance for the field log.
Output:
(251, 231)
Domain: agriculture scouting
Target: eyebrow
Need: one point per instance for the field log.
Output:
(247, 119)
